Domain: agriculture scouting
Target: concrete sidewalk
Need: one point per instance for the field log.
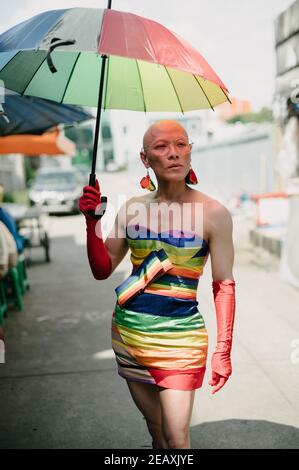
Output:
(59, 387)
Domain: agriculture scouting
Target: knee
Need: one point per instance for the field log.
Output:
(153, 426)
(177, 439)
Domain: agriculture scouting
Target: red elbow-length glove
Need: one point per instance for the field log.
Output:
(98, 256)
(225, 304)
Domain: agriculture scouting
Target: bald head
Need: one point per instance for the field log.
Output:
(160, 128)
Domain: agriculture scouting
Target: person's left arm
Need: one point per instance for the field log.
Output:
(222, 260)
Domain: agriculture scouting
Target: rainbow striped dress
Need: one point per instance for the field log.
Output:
(158, 334)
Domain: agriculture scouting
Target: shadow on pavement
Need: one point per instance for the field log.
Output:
(244, 434)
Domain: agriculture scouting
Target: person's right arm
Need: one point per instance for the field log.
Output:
(103, 257)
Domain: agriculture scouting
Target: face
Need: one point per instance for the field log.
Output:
(166, 145)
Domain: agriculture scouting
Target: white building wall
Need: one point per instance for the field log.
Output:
(12, 173)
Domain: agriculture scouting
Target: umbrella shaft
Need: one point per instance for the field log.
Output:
(97, 129)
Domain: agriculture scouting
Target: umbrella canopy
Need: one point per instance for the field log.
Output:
(29, 115)
(108, 59)
(149, 68)
(49, 143)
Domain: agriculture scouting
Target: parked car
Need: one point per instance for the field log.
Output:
(56, 190)
(83, 172)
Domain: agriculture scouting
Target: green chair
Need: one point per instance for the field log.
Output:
(13, 290)
(3, 302)
(21, 267)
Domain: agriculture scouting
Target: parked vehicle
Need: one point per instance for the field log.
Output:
(56, 190)
(83, 172)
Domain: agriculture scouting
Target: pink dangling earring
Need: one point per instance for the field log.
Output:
(191, 177)
(147, 183)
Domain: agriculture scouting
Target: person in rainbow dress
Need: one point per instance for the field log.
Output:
(159, 335)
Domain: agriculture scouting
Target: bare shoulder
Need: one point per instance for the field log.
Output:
(218, 210)
(217, 218)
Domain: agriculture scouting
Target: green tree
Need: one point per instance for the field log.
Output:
(264, 115)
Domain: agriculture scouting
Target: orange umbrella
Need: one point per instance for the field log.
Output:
(49, 143)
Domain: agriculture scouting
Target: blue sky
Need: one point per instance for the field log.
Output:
(235, 36)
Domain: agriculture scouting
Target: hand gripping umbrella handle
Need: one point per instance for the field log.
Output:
(98, 214)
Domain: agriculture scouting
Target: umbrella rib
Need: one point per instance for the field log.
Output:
(106, 84)
(203, 92)
(226, 95)
(27, 85)
(70, 76)
(141, 84)
(23, 91)
(12, 58)
(174, 88)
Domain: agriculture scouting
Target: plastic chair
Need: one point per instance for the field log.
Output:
(21, 267)
(3, 302)
(13, 289)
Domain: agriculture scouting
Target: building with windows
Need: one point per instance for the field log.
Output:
(286, 98)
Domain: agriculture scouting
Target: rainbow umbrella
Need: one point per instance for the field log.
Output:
(109, 59)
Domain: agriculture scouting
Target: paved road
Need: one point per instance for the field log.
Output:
(59, 387)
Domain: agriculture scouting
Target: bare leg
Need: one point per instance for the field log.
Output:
(147, 400)
(176, 407)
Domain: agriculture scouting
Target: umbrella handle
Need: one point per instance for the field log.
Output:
(99, 213)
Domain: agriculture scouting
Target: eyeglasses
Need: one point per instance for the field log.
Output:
(163, 148)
